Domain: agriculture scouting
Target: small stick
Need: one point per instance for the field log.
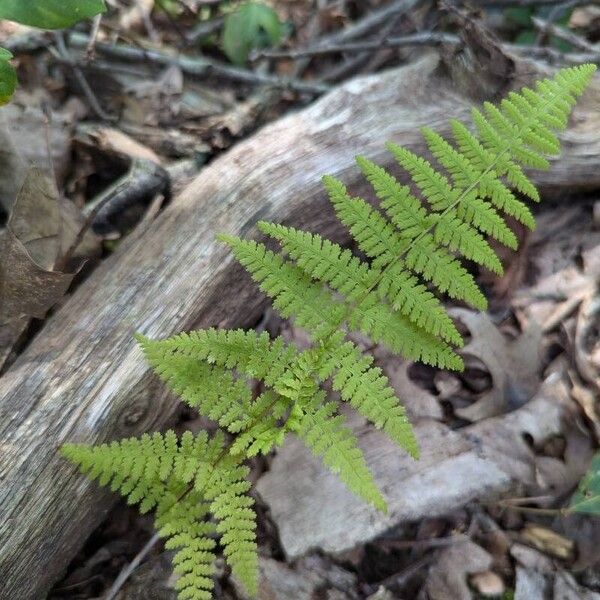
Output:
(554, 13)
(90, 50)
(553, 55)
(523, 3)
(128, 570)
(550, 512)
(64, 56)
(200, 66)
(371, 22)
(562, 34)
(415, 39)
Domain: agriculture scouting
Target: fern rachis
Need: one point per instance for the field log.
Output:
(413, 241)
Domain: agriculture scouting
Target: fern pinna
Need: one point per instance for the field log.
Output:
(414, 241)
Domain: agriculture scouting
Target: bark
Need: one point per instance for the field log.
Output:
(83, 379)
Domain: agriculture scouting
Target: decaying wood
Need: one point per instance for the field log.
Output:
(83, 379)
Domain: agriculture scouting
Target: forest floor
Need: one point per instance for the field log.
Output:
(125, 123)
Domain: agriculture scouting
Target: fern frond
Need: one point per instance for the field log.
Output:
(484, 217)
(329, 263)
(467, 176)
(265, 430)
(409, 296)
(373, 234)
(405, 211)
(400, 335)
(292, 292)
(231, 505)
(253, 354)
(154, 470)
(415, 241)
(437, 265)
(368, 391)
(183, 523)
(323, 431)
(324, 261)
(214, 391)
(432, 184)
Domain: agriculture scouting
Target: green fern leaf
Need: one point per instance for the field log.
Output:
(373, 234)
(324, 261)
(232, 507)
(434, 186)
(292, 292)
(214, 391)
(253, 354)
(404, 210)
(415, 301)
(435, 264)
(368, 391)
(182, 522)
(323, 431)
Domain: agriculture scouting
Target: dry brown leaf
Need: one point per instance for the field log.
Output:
(514, 365)
(31, 244)
(587, 340)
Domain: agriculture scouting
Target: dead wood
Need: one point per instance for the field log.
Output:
(83, 379)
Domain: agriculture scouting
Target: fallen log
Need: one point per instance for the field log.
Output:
(83, 378)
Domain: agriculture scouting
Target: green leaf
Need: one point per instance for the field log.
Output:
(8, 77)
(587, 497)
(519, 15)
(50, 14)
(253, 25)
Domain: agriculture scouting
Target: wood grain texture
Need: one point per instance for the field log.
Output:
(83, 379)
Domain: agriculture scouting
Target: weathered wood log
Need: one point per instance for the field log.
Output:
(83, 379)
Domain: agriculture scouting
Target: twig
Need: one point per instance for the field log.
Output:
(400, 578)
(180, 33)
(128, 570)
(415, 39)
(143, 178)
(64, 56)
(374, 21)
(522, 3)
(554, 14)
(554, 56)
(550, 512)
(90, 50)
(199, 66)
(204, 29)
(371, 22)
(437, 542)
(546, 27)
(387, 31)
